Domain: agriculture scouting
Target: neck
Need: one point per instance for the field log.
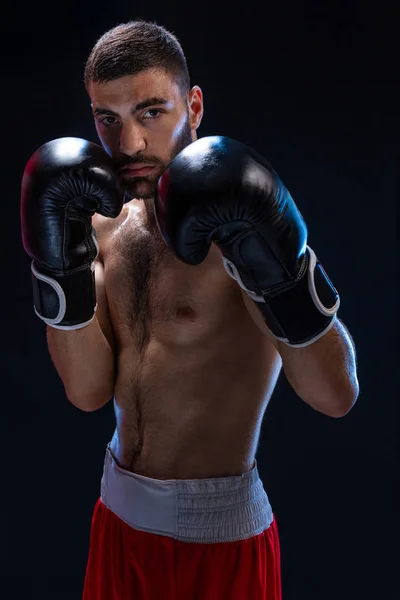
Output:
(148, 204)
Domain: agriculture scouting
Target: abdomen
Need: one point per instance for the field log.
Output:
(196, 411)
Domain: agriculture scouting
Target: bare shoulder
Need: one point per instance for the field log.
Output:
(105, 226)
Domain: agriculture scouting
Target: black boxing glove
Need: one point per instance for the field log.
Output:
(219, 190)
(64, 183)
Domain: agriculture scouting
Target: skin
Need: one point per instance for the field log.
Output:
(195, 367)
(194, 372)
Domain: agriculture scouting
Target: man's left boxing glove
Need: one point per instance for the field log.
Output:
(64, 183)
(219, 190)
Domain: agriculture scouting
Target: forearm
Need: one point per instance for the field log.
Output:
(324, 374)
(84, 361)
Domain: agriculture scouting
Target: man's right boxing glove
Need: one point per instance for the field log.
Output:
(64, 183)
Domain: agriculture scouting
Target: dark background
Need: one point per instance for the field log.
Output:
(314, 87)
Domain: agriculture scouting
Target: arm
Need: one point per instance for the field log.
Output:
(84, 358)
(66, 183)
(220, 191)
(323, 374)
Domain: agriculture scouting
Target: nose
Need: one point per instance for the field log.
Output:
(132, 140)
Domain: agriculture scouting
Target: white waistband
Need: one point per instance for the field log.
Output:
(221, 509)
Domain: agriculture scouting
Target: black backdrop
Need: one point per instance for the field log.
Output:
(314, 88)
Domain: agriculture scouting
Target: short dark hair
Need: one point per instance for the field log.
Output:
(133, 47)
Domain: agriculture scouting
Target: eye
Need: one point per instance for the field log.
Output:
(153, 115)
(108, 121)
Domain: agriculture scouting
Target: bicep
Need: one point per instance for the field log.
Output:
(257, 318)
(102, 310)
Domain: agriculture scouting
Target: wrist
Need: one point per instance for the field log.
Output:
(300, 312)
(64, 300)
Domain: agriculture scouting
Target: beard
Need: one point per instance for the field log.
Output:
(144, 188)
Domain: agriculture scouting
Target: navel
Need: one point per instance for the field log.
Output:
(186, 313)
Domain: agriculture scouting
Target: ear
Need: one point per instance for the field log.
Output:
(196, 108)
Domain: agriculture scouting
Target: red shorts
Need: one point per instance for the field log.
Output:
(138, 552)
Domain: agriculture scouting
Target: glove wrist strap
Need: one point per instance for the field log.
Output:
(64, 300)
(302, 312)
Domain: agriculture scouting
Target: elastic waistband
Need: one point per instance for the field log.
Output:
(220, 509)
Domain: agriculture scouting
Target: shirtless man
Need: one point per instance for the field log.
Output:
(181, 318)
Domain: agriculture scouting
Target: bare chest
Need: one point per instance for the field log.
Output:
(194, 372)
(152, 293)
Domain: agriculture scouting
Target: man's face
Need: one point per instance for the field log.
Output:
(143, 121)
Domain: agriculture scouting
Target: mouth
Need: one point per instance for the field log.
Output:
(139, 170)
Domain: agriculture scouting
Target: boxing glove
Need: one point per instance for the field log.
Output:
(65, 182)
(219, 190)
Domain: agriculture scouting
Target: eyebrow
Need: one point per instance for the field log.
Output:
(140, 106)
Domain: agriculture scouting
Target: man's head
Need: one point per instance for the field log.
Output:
(144, 109)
